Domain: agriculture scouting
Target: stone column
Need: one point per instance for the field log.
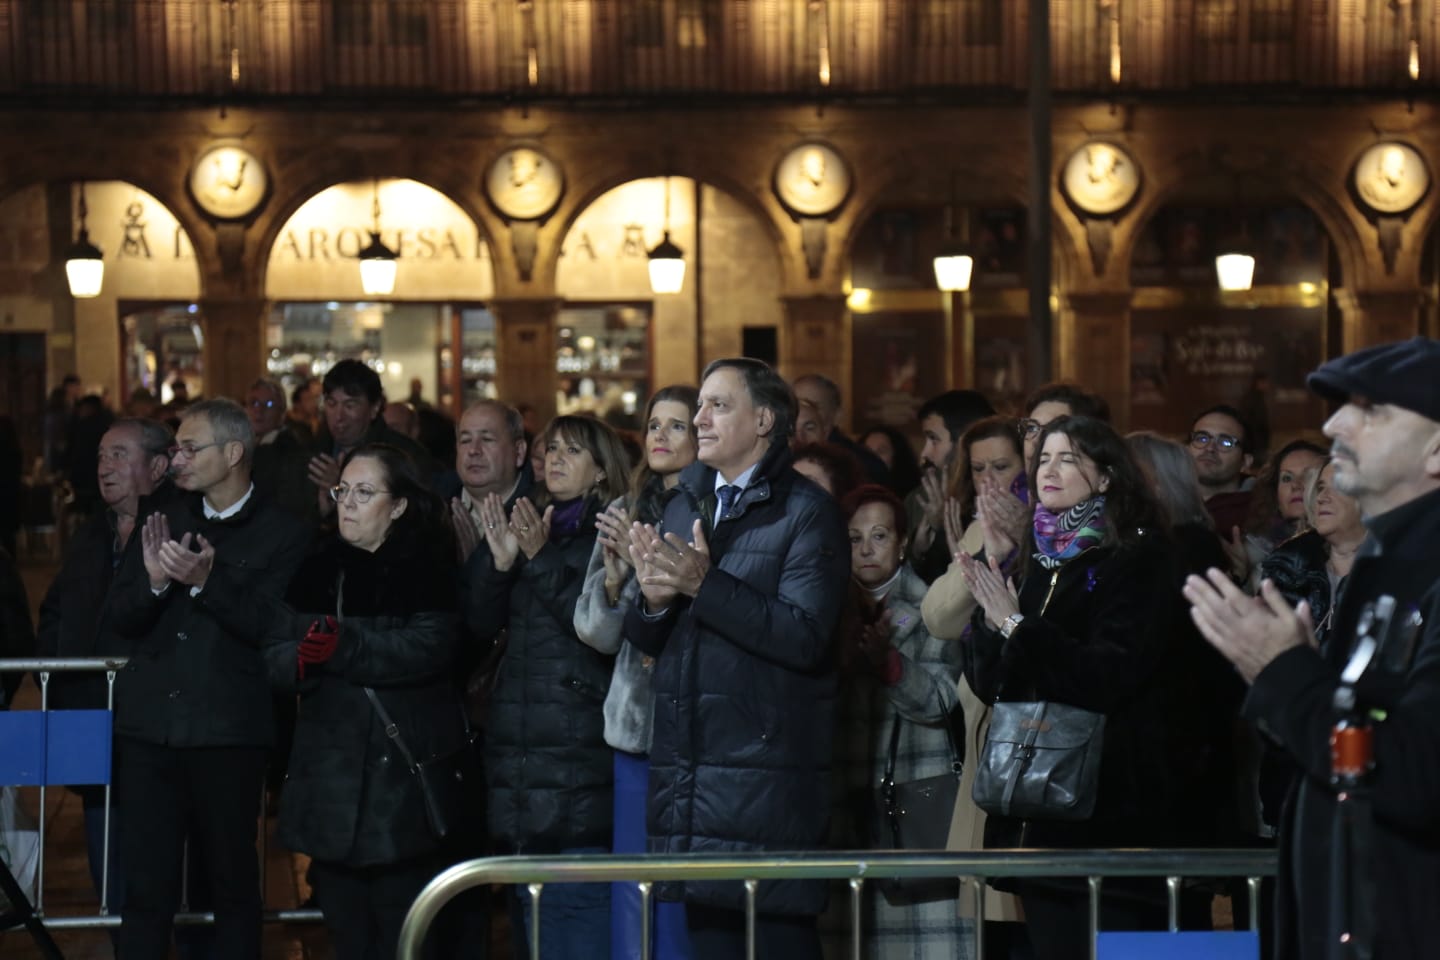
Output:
(1377, 316)
(234, 350)
(525, 345)
(1093, 347)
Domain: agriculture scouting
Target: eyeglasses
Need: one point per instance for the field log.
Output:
(1200, 439)
(1030, 428)
(261, 404)
(340, 492)
(188, 450)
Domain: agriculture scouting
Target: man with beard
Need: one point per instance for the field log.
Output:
(1386, 452)
(1219, 443)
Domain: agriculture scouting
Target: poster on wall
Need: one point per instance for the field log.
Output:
(899, 363)
(1257, 360)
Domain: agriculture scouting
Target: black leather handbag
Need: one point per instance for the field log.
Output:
(1041, 761)
(447, 782)
(916, 814)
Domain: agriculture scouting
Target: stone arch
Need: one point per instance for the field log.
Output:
(150, 258)
(733, 279)
(605, 174)
(1194, 177)
(903, 187)
(311, 174)
(324, 234)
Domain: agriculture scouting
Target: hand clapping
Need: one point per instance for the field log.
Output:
(504, 547)
(167, 559)
(668, 567)
(995, 594)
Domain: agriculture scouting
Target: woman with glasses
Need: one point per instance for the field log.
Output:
(610, 590)
(372, 610)
(907, 679)
(1083, 621)
(549, 772)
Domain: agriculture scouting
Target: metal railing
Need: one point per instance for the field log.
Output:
(42, 668)
(855, 867)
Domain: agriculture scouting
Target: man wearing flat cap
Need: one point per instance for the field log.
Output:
(1386, 450)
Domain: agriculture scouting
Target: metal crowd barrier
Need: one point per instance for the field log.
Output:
(42, 668)
(856, 867)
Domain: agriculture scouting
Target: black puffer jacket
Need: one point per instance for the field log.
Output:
(349, 797)
(548, 770)
(745, 681)
(1096, 634)
(196, 676)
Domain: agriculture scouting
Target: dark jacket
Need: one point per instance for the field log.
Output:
(281, 472)
(1291, 702)
(548, 770)
(1095, 635)
(196, 676)
(1298, 567)
(75, 619)
(17, 635)
(745, 681)
(349, 796)
(1202, 697)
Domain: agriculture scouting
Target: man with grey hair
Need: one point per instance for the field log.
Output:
(818, 421)
(740, 601)
(75, 620)
(192, 707)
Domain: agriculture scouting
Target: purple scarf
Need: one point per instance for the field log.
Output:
(566, 519)
(1060, 537)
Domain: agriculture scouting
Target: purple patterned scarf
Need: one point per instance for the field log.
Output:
(1060, 537)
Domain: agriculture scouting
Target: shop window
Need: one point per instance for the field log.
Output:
(604, 362)
(477, 356)
(163, 348)
(403, 342)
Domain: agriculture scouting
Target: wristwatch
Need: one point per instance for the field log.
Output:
(1008, 626)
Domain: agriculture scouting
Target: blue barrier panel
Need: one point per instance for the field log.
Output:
(77, 747)
(54, 747)
(1237, 945)
(22, 748)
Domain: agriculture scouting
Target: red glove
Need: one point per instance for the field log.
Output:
(318, 645)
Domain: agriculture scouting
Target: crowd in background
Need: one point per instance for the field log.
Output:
(721, 634)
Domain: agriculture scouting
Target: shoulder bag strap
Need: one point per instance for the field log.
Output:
(391, 730)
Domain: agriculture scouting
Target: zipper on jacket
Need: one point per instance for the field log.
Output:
(1054, 578)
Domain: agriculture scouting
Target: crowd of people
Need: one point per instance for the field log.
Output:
(740, 631)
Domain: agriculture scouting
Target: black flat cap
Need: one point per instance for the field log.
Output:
(1404, 374)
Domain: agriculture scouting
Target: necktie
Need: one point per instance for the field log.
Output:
(727, 494)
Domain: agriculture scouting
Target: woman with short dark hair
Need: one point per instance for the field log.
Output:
(372, 608)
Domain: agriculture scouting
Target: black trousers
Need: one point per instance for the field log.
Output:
(364, 907)
(719, 934)
(1057, 921)
(212, 795)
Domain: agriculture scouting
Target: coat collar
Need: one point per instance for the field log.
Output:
(698, 479)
